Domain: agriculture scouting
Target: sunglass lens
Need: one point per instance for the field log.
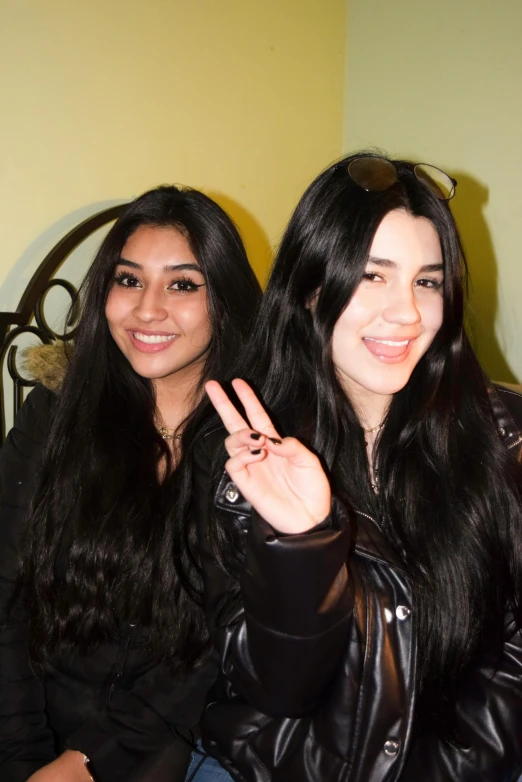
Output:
(372, 173)
(438, 182)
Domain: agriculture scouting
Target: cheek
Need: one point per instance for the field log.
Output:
(194, 319)
(432, 315)
(357, 315)
(114, 307)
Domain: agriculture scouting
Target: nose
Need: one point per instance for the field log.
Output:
(150, 306)
(401, 307)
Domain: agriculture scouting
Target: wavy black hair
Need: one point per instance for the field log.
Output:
(450, 499)
(103, 539)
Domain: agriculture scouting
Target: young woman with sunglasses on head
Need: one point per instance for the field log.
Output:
(95, 656)
(362, 553)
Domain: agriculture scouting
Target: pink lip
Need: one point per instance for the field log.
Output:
(389, 354)
(145, 347)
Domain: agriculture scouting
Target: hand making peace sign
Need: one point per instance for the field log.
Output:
(280, 478)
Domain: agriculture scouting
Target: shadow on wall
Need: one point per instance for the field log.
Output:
(260, 253)
(468, 209)
(76, 264)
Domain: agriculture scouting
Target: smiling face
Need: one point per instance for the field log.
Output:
(157, 309)
(395, 313)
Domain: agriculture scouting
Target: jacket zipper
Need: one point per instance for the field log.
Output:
(361, 513)
(122, 662)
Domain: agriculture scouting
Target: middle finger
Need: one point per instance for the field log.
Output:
(257, 415)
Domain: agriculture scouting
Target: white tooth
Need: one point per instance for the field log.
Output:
(390, 342)
(152, 339)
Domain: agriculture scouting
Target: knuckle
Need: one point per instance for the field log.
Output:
(230, 466)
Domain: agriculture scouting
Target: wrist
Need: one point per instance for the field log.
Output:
(301, 526)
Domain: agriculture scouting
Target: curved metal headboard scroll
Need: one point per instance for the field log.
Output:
(31, 306)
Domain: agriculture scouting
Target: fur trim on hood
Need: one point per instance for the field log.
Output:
(47, 364)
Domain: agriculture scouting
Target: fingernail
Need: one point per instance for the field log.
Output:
(256, 452)
(275, 440)
(255, 436)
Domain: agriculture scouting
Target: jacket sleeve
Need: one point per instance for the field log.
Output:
(282, 629)
(489, 715)
(26, 741)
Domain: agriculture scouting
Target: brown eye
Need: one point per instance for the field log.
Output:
(430, 284)
(126, 280)
(186, 286)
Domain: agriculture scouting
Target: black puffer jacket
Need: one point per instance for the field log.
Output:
(118, 706)
(317, 681)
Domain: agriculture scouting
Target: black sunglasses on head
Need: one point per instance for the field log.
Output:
(376, 174)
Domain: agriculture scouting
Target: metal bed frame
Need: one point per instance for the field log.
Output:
(29, 318)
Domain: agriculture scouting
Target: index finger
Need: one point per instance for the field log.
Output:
(257, 415)
(232, 420)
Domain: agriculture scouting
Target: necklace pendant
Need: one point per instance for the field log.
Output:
(164, 432)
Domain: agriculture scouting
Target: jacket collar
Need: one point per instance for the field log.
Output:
(508, 429)
(370, 542)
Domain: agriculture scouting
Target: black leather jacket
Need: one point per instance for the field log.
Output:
(317, 675)
(118, 704)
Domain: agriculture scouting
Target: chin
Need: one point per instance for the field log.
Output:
(151, 372)
(150, 375)
(161, 372)
(392, 387)
(386, 386)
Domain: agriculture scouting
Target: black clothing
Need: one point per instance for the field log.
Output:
(318, 669)
(117, 705)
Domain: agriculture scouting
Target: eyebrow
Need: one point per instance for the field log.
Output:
(387, 264)
(178, 267)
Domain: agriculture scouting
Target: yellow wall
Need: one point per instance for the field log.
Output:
(101, 100)
(441, 81)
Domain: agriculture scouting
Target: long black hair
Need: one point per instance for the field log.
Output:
(103, 536)
(449, 500)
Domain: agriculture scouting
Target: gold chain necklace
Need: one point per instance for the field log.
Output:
(168, 434)
(373, 429)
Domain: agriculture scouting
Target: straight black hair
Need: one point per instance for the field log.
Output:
(103, 538)
(450, 491)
